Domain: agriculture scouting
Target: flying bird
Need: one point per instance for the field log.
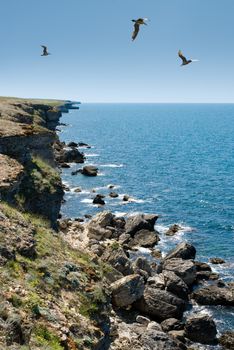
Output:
(184, 59)
(45, 51)
(137, 24)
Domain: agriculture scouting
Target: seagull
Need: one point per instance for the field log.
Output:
(45, 51)
(137, 24)
(184, 59)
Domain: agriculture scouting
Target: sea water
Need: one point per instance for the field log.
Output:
(176, 160)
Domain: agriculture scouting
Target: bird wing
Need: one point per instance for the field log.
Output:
(136, 31)
(44, 49)
(182, 56)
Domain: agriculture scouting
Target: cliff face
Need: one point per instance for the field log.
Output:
(27, 133)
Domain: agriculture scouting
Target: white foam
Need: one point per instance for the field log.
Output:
(92, 155)
(111, 165)
(119, 214)
(87, 200)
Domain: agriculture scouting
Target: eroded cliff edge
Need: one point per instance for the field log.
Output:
(29, 179)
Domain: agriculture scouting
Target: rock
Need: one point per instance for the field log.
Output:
(89, 170)
(171, 324)
(88, 216)
(156, 253)
(7, 253)
(217, 261)
(98, 200)
(127, 290)
(102, 219)
(173, 230)
(183, 251)
(82, 144)
(119, 260)
(14, 331)
(201, 329)
(72, 144)
(178, 335)
(72, 155)
(78, 190)
(142, 263)
(185, 269)
(151, 219)
(227, 340)
(201, 266)
(213, 295)
(126, 198)
(65, 165)
(144, 238)
(137, 223)
(158, 340)
(175, 284)
(160, 304)
(142, 320)
(27, 247)
(113, 195)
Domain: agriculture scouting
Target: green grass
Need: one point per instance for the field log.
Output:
(49, 102)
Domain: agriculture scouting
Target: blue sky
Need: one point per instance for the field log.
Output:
(94, 60)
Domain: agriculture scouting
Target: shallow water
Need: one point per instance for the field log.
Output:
(175, 160)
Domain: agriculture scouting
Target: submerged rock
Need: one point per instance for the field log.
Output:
(127, 290)
(99, 200)
(216, 261)
(113, 195)
(201, 329)
(173, 230)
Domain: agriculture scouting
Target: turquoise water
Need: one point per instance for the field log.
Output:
(173, 159)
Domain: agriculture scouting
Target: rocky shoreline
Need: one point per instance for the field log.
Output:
(81, 285)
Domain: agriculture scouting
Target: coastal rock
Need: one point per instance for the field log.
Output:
(113, 195)
(172, 324)
(139, 222)
(175, 284)
(89, 170)
(157, 340)
(99, 200)
(102, 219)
(144, 238)
(142, 264)
(83, 144)
(126, 198)
(183, 251)
(227, 340)
(173, 230)
(71, 156)
(216, 261)
(160, 304)
(127, 290)
(214, 295)
(119, 260)
(201, 329)
(72, 144)
(185, 269)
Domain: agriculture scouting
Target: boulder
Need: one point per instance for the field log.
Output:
(172, 324)
(185, 269)
(89, 170)
(127, 290)
(119, 260)
(144, 238)
(227, 340)
(113, 195)
(173, 230)
(139, 222)
(201, 329)
(175, 284)
(99, 200)
(27, 247)
(126, 198)
(217, 261)
(83, 144)
(153, 339)
(182, 251)
(102, 219)
(142, 264)
(160, 304)
(72, 144)
(72, 155)
(214, 295)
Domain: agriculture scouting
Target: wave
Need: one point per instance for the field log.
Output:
(87, 201)
(92, 155)
(111, 165)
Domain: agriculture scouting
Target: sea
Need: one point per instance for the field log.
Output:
(176, 160)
